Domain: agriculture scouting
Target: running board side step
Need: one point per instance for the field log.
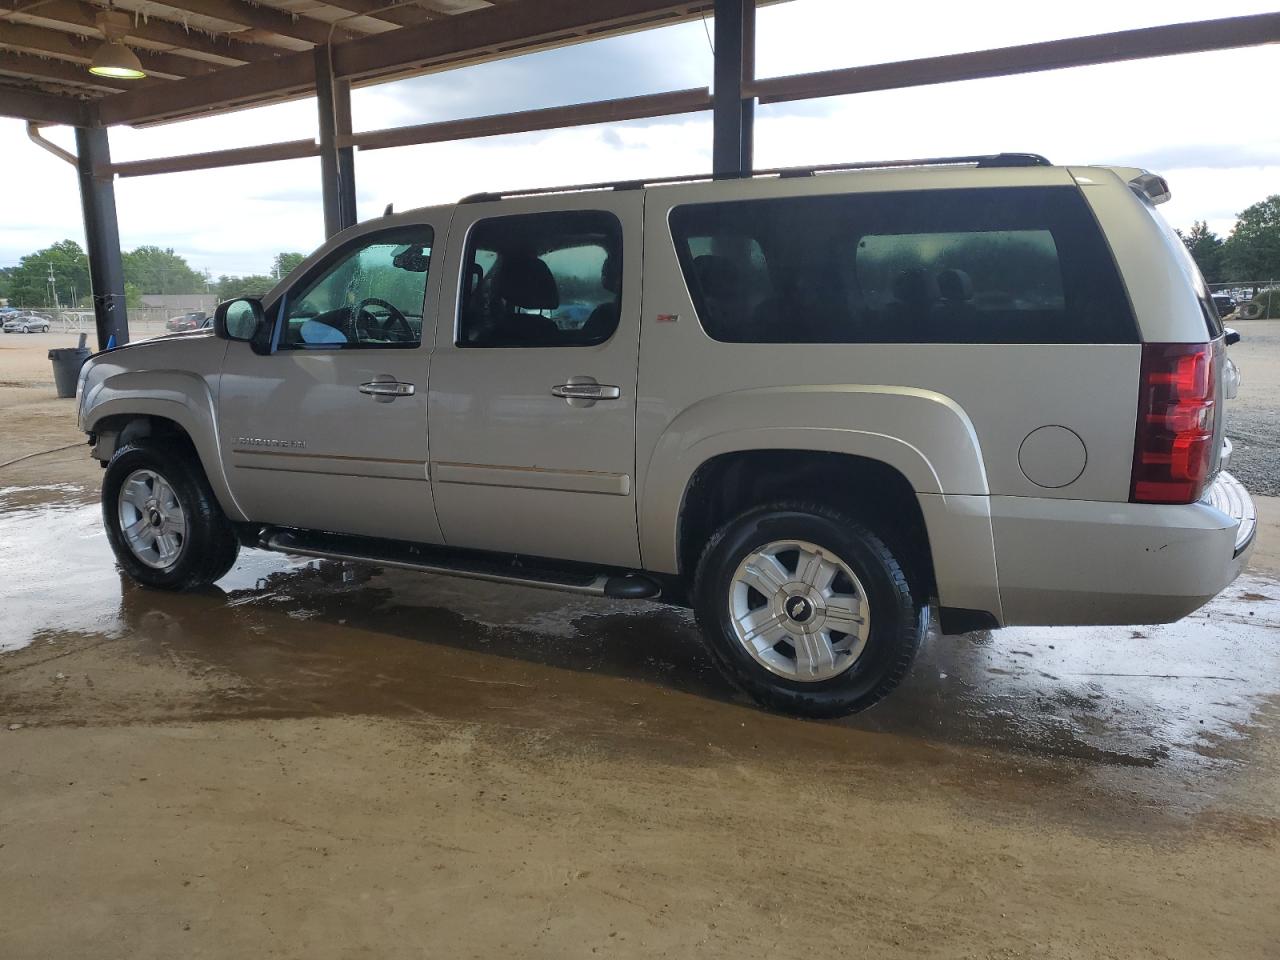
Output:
(472, 565)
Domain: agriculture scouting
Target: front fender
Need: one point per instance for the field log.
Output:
(176, 395)
(922, 434)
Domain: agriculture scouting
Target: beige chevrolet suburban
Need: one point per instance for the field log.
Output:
(813, 404)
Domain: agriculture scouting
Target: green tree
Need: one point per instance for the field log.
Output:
(29, 284)
(228, 288)
(285, 262)
(156, 270)
(1252, 252)
(132, 295)
(1205, 248)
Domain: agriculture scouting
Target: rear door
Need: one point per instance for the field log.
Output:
(533, 379)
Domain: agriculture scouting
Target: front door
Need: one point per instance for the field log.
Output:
(533, 379)
(328, 429)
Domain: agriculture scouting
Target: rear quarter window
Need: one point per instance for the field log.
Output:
(1008, 265)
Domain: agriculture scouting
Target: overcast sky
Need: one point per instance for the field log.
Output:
(1208, 122)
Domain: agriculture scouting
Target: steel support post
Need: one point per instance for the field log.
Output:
(733, 115)
(102, 235)
(337, 164)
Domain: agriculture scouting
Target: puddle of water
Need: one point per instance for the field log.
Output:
(48, 585)
(60, 576)
(312, 636)
(1184, 693)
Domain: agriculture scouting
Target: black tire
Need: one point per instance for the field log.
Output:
(210, 547)
(898, 620)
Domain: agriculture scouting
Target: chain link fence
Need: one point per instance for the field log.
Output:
(143, 321)
(1247, 299)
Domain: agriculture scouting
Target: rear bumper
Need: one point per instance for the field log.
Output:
(1229, 496)
(1084, 562)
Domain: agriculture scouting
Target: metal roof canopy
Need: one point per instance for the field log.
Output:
(207, 56)
(211, 56)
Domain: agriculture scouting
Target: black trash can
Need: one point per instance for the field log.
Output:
(67, 362)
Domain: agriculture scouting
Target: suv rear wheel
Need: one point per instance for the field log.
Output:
(162, 520)
(807, 610)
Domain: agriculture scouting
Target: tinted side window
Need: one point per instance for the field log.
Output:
(370, 294)
(1008, 265)
(541, 280)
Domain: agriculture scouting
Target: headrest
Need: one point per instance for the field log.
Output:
(914, 285)
(955, 285)
(717, 275)
(527, 282)
(611, 273)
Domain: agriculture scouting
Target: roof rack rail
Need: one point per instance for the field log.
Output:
(982, 161)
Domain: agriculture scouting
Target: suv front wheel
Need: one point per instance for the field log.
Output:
(163, 522)
(807, 610)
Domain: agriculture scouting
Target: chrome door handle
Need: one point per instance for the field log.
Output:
(384, 391)
(585, 391)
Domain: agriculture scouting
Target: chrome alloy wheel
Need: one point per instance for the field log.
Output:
(151, 519)
(799, 611)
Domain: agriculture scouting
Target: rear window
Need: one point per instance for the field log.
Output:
(1009, 265)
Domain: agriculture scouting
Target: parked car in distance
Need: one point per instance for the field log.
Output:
(817, 408)
(1224, 303)
(187, 321)
(26, 323)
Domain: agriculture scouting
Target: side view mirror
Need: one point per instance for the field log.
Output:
(1231, 336)
(238, 319)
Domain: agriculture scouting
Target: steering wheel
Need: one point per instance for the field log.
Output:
(364, 317)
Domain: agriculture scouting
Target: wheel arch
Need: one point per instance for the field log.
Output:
(125, 417)
(836, 438)
(730, 483)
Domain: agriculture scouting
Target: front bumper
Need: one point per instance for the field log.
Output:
(1084, 562)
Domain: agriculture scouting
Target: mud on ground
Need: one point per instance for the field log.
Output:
(325, 760)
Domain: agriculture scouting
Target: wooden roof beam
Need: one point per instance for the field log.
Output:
(63, 71)
(156, 30)
(668, 104)
(72, 46)
(27, 104)
(408, 14)
(266, 18)
(233, 157)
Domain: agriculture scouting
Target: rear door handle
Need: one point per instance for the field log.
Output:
(585, 391)
(384, 391)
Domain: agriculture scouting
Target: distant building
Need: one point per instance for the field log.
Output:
(177, 303)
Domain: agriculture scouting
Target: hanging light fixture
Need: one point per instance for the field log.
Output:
(113, 58)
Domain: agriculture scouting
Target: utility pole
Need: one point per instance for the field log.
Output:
(53, 288)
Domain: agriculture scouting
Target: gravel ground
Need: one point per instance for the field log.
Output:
(1253, 419)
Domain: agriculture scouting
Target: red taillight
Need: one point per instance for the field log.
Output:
(1177, 404)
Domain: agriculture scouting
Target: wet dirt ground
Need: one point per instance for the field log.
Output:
(318, 760)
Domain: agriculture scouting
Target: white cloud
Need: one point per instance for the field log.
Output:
(1201, 120)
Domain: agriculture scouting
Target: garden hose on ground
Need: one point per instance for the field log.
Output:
(40, 453)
